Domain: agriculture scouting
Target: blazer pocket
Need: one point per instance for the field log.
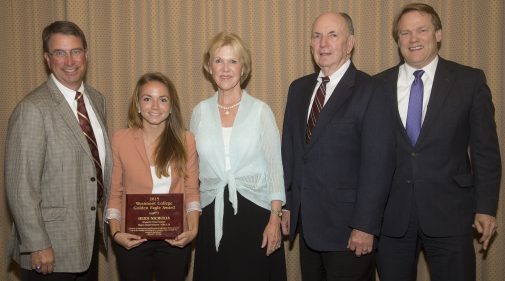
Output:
(342, 122)
(464, 180)
(54, 213)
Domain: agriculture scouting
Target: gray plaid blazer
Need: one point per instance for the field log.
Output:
(49, 179)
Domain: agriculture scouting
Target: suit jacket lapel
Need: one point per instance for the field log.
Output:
(68, 116)
(304, 104)
(341, 93)
(392, 79)
(439, 92)
(99, 112)
(140, 146)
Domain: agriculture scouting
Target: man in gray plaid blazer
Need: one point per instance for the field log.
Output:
(51, 180)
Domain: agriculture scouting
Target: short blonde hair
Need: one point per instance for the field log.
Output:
(241, 50)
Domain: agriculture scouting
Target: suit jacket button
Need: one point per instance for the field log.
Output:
(413, 154)
(93, 208)
(409, 181)
(92, 179)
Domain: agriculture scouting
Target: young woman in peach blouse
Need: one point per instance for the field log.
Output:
(154, 155)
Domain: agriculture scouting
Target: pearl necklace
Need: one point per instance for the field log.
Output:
(227, 108)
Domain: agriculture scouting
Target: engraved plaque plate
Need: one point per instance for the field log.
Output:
(154, 216)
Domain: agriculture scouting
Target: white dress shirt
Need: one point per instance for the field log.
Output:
(331, 85)
(69, 95)
(405, 79)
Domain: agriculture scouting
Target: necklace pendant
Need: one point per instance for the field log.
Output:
(226, 109)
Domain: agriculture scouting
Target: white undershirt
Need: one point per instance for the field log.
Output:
(226, 131)
(160, 185)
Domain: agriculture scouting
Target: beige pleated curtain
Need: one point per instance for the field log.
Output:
(127, 38)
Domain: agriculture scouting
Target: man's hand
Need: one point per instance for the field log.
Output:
(486, 226)
(43, 261)
(361, 243)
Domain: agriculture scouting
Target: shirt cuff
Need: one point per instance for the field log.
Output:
(112, 213)
(193, 206)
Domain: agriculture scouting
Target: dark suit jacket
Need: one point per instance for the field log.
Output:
(454, 170)
(50, 179)
(340, 180)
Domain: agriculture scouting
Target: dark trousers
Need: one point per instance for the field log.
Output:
(89, 275)
(240, 257)
(449, 258)
(153, 258)
(335, 266)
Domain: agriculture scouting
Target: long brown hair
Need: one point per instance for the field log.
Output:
(170, 149)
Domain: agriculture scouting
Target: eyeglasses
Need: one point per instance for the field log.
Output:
(75, 53)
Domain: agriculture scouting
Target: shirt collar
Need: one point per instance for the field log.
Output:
(429, 69)
(67, 92)
(337, 75)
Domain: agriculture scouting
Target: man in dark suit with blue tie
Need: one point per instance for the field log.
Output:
(448, 165)
(338, 157)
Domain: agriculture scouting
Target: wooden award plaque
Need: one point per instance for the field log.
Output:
(155, 216)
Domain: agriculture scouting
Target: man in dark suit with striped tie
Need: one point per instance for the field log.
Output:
(338, 158)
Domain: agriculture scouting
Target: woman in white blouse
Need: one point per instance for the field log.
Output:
(241, 176)
(155, 155)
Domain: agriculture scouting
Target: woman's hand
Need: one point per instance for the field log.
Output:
(127, 240)
(186, 237)
(272, 237)
(183, 239)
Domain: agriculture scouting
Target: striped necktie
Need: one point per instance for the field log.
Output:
(86, 128)
(317, 106)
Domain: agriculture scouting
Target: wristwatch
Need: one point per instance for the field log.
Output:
(277, 213)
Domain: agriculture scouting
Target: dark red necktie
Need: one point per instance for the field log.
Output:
(317, 106)
(86, 128)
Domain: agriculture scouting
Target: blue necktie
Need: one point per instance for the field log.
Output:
(415, 110)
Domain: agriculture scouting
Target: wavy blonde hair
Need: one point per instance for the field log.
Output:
(241, 50)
